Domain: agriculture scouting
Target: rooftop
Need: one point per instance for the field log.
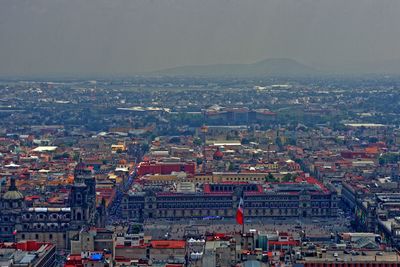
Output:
(341, 256)
(171, 244)
(44, 149)
(25, 253)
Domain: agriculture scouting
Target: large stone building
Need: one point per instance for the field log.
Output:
(305, 199)
(57, 225)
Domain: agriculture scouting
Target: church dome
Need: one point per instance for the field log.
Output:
(13, 195)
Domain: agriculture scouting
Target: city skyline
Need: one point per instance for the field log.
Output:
(177, 133)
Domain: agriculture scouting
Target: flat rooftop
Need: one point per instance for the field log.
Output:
(23, 253)
(371, 256)
(307, 185)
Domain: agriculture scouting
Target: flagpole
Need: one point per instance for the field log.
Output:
(243, 213)
(243, 239)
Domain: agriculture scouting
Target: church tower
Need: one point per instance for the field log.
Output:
(83, 195)
(11, 206)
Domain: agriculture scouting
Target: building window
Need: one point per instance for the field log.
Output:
(50, 236)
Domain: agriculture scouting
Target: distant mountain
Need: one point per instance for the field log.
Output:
(268, 67)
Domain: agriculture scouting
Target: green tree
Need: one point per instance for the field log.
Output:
(199, 161)
(287, 178)
(270, 178)
(197, 142)
(231, 166)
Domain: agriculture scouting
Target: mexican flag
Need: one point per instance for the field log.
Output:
(239, 212)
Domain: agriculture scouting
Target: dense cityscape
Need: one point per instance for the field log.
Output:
(187, 133)
(179, 171)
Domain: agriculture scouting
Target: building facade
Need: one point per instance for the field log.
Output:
(57, 225)
(276, 200)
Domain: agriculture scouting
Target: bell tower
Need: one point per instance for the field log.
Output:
(11, 205)
(83, 195)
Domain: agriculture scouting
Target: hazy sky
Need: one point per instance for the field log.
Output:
(39, 37)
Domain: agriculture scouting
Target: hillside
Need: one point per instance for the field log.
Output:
(268, 67)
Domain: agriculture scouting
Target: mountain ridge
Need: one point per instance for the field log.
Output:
(266, 67)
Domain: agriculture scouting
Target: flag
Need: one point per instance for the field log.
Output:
(239, 212)
(15, 232)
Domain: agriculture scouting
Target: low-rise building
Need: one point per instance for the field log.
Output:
(27, 254)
